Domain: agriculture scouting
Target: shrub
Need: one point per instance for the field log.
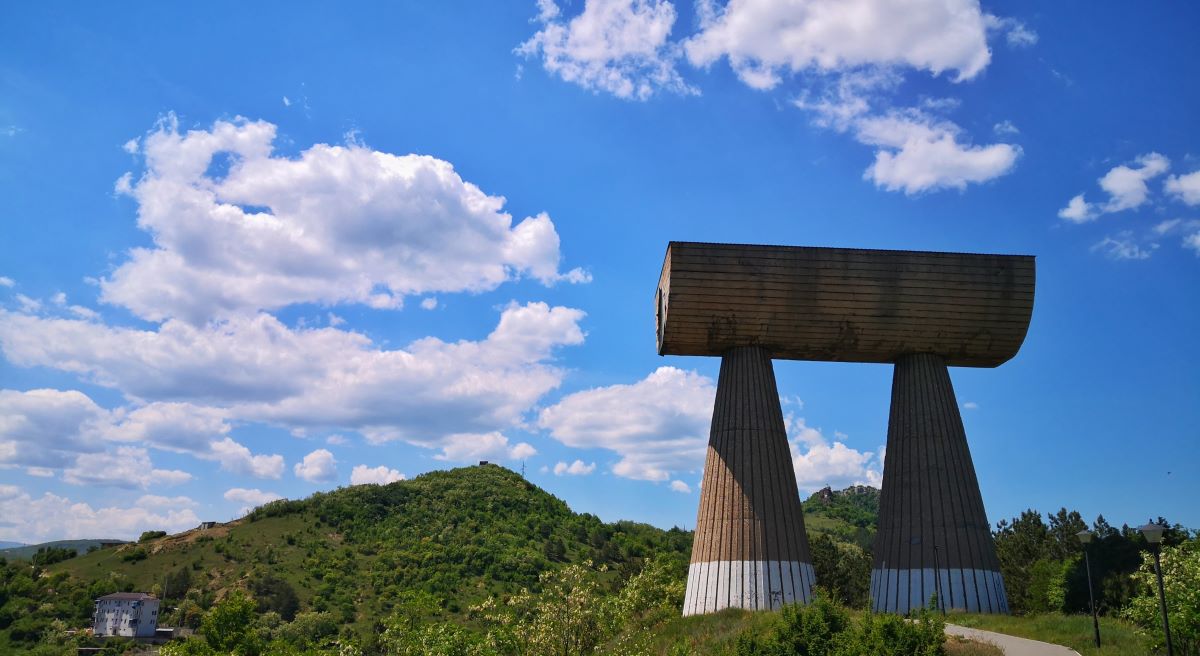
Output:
(825, 628)
(1181, 583)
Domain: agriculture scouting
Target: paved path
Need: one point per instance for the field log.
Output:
(1011, 645)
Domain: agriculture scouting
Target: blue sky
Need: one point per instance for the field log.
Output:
(263, 251)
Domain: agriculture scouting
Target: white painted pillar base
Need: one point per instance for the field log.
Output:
(972, 590)
(748, 584)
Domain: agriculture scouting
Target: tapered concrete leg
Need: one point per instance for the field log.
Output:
(750, 549)
(931, 501)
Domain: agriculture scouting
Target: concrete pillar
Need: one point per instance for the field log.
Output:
(750, 549)
(931, 500)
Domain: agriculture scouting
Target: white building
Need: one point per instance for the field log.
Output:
(128, 614)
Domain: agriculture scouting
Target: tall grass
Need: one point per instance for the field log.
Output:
(1117, 637)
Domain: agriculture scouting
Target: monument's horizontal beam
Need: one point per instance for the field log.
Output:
(841, 304)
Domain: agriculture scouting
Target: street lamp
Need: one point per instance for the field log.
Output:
(1154, 535)
(1085, 536)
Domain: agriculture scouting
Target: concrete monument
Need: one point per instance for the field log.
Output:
(920, 311)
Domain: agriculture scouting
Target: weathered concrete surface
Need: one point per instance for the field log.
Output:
(843, 304)
(933, 532)
(1011, 645)
(750, 549)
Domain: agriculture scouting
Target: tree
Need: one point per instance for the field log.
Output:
(1181, 583)
(1019, 546)
(571, 615)
(275, 594)
(1064, 529)
(50, 555)
(844, 570)
(228, 627)
(554, 550)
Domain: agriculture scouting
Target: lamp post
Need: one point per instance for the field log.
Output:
(1085, 536)
(1154, 535)
(937, 575)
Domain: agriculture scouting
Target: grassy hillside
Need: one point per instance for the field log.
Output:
(460, 536)
(1117, 637)
(849, 515)
(449, 539)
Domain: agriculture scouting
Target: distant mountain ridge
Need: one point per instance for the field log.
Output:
(26, 551)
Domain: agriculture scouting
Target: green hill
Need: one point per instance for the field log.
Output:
(460, 536)
(450, 539)
(849, 515)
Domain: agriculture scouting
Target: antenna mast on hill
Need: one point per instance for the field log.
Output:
(522, 469)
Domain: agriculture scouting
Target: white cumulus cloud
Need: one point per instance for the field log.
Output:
(819, 461)
(763, 39)
(469, 447)
(237, 229)
(620, 47)
(49, 428)
(250, 498)
(657, 425)
(681, 487)
(52, 517)
(918, 153)
(125, 466)
(1185, 187)
(1125, 185)
(317, 467)
(577, 468)
(381, 475)
(257, 369)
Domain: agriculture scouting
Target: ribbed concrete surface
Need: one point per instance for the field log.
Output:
(750, 549)
(931, 499)
(760, 584)
(843, 304)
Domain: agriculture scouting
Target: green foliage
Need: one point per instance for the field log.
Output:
(228, 627)
(842, 569)
(1044, 567)
(1119, 638)
(134, 555)
(1181, 585)
(857, 505)
(50, 555)
(1047, 588)
(151, 535)
(276, 595)
(459, 537)
(824, 628)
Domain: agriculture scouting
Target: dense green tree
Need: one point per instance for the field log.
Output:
(275, 594)
(1181, 584)
(50, 555)
(842, 569)
(229, 627)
